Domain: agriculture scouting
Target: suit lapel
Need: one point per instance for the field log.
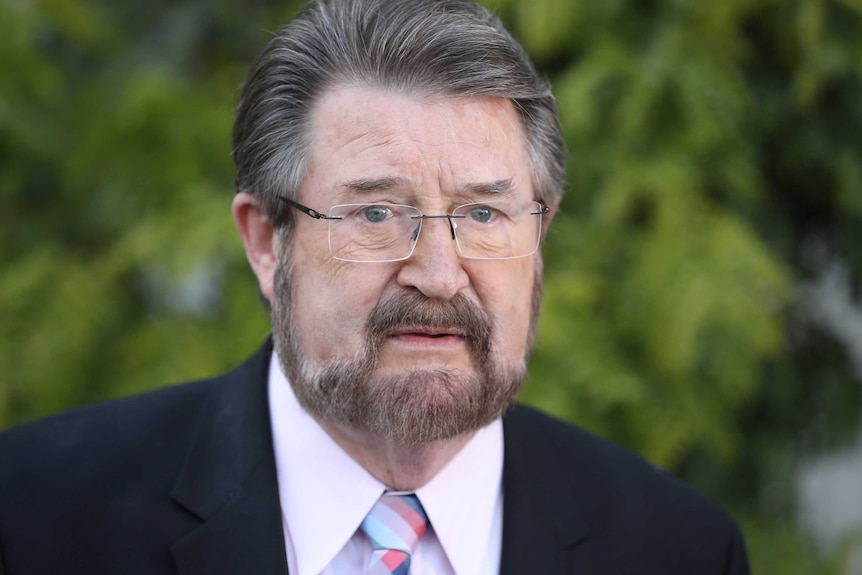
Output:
(229, 481)
(541, 520)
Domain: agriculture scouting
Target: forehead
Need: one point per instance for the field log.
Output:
(415, 146)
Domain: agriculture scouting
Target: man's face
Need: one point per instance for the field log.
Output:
(427, 348)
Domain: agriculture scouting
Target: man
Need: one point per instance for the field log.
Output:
(399, 162)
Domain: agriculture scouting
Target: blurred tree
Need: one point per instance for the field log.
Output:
(121, 266)
(715, 169)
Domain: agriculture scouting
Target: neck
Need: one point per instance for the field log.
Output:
(399, 467)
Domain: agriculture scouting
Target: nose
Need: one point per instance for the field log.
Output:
(435, 267)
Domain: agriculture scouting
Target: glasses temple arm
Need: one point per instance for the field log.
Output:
(306, 210)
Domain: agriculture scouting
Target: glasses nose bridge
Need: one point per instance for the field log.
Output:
(448, 217)
(417, 232)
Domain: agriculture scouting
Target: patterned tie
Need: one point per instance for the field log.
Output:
(394, 526)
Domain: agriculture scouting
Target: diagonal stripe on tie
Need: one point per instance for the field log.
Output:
(394, 526)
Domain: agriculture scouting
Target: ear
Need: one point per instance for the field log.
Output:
(258, 237)
(546, 224)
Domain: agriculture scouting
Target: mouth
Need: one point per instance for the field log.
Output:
(430, 331)
(428, 335)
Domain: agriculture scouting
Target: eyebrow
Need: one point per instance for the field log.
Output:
(470, 189)
(488, 188)
(373, 185)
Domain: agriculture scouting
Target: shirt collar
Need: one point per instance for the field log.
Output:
(325, 494)
(461, 499)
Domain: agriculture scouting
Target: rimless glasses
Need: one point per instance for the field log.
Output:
(493, 230)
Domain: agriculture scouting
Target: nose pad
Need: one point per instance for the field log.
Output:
(414, 235)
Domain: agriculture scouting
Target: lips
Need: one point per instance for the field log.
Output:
(430, 332)
(427, 335)
(411, 318)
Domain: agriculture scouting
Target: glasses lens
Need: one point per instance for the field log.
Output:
(373, 232)
(498, 230)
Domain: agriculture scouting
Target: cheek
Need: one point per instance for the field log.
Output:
(507, 297)
(333, 301)
(515, 334)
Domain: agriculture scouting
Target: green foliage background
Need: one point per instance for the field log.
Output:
(711, 144)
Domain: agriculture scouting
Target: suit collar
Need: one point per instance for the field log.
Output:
(541, 519)
(229, 481)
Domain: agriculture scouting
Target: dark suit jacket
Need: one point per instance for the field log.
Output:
(182, 480)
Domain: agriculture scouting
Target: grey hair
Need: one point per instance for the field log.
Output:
(415, 47)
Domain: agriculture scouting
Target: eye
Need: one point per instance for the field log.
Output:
(481, 214)
(376, 214)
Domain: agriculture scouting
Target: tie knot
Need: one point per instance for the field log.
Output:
(396, 522)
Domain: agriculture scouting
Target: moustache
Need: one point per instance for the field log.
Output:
(411, 310)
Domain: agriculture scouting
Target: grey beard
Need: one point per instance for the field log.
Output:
(417, 406)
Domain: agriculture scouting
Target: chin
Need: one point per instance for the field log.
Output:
(427, 405)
